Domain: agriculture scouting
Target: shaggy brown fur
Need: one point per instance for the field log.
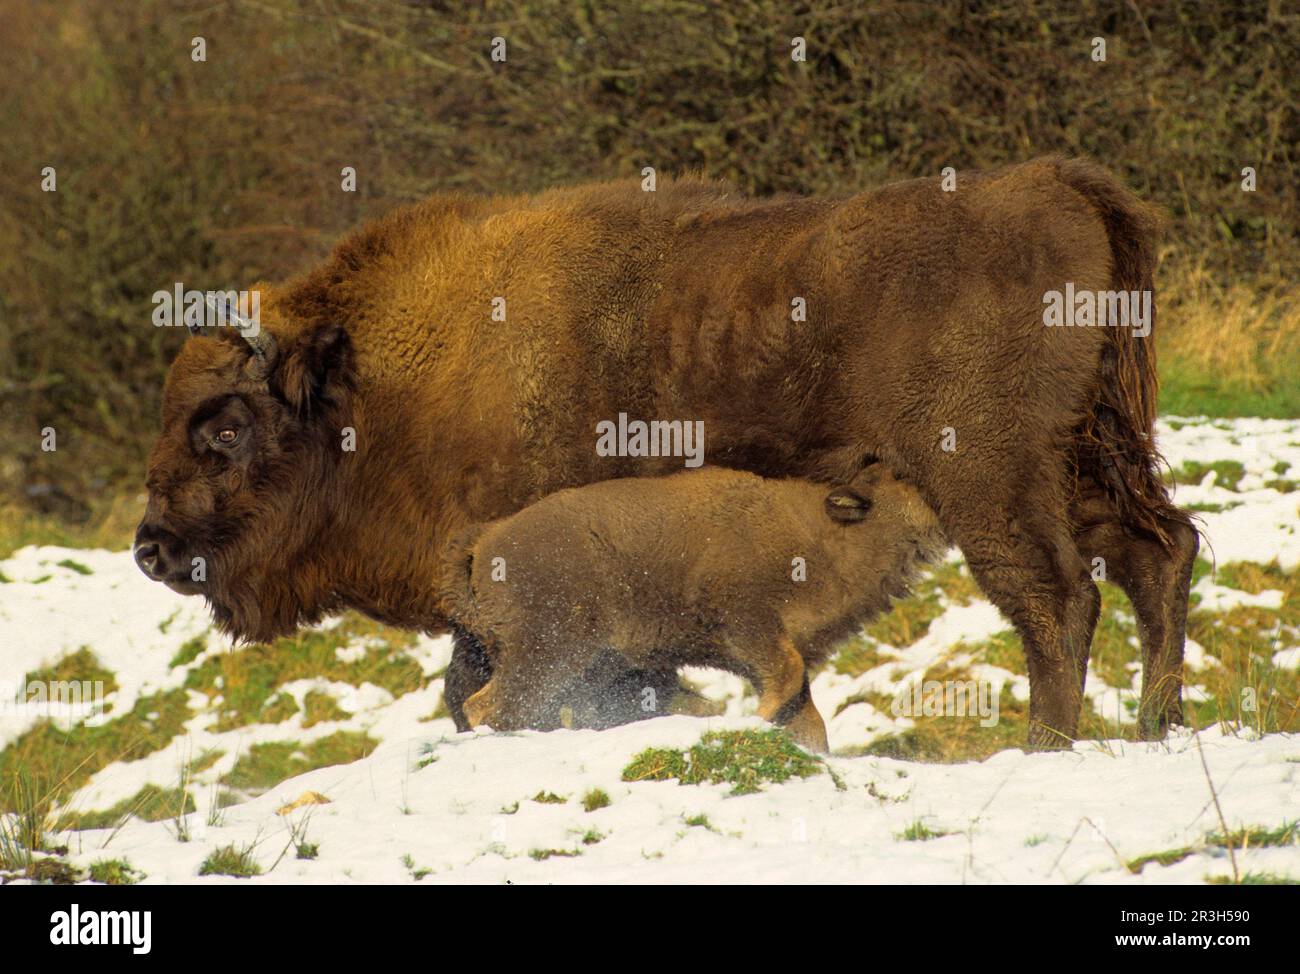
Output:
(707, 568)
(923, 315)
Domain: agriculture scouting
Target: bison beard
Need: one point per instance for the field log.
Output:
(922, 331)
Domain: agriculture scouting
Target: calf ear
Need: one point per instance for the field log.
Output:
(315, 369)
(846, 505)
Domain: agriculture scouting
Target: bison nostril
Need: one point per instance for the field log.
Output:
(146, 556)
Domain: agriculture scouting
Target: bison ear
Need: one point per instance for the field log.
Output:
(315, 369)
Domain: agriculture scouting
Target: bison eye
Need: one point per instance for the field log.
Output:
(227, 436)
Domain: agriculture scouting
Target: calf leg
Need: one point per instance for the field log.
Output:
(481, 708)
(469, 670)
(1157, 579)
(607, 695)
(530, 678)
(784, 697)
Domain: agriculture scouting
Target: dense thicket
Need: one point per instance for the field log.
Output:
(223, 172)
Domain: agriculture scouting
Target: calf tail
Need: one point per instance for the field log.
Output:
(1117, 443)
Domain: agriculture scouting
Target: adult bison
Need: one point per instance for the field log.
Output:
(450, 363)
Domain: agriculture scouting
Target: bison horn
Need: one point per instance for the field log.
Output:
(261, 342)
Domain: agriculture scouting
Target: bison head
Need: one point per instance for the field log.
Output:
(241, 478)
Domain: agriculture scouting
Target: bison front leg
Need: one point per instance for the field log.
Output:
(1023, 556)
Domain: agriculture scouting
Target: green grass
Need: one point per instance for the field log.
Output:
(1227, 473)
(247, 679)
(150, 804)
(279, 709)
(918, 831)
(231, 861)
(1208, 507)
(112, 527)
(1166, 858)
(206, 759)
(1113, 641)
(549, 798)
(743, 759)
(24, 819)
(1254, 879)
(190, 650)
(1247, 690)
(1002, 649)
(417, 872)
(1189, 391)
(541, 855)
(81, 666)
(1247, 837)
(75, 566)
(67, 758)
(267, 764)
(114, 872)
(948, 740)
(53, 871)
(1255, 836)
(594, 799)
(319, 707)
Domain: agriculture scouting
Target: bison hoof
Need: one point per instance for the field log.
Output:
(1154, 726)
(1044, 738)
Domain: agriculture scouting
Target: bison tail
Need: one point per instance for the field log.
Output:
(456, 578)
(1118, 436)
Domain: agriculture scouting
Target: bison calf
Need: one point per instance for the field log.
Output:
(713, 567)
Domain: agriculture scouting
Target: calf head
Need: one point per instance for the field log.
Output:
(879, 495)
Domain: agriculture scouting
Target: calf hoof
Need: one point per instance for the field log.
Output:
(808, 730)
(481, 708)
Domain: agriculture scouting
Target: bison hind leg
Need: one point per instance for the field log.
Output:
(1156, 578)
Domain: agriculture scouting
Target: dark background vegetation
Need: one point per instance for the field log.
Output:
(223, 173)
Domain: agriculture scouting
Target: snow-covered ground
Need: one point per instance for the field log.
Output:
(1014, 818)
(431, 805)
